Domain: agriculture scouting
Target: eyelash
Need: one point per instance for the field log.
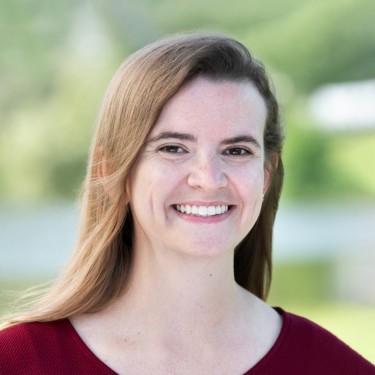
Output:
(240, 151)
(168, 149)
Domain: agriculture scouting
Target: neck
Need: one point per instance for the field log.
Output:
(178, 293)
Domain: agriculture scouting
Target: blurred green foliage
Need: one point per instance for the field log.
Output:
(326, 166)
(303, 283)
(57, 58)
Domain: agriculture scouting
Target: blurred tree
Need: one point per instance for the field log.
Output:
(314, 168)
(321, 41)
(32, 34)
(57, 58)
(53, 75)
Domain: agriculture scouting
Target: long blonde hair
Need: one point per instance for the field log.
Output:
(98, 270)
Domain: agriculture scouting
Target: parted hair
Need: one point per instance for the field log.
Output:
(99, 268)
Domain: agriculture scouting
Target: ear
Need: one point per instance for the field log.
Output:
(127, 191)
(101, 164)
(270, 165)
(103, 173)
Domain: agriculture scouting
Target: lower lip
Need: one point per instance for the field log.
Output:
(204, 219)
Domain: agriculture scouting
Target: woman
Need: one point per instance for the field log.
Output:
(173, 262)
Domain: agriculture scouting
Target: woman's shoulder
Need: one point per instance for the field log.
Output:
(44, 348)
(305, 347)
(23, 343)
(23, 334)
(300, 330)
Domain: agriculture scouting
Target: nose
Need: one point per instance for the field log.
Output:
(207, 173)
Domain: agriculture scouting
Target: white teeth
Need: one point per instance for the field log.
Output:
(211, 210)
(195, 210)
(202, 210)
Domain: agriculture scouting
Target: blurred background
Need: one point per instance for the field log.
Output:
(56, 60)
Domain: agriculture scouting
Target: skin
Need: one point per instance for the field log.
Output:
(207, 170)
(182, 311)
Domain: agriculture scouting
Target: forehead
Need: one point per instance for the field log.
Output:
(214, 105)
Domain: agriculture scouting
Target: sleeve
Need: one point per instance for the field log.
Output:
(304, 347)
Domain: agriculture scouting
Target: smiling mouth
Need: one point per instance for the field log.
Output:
(202, 211)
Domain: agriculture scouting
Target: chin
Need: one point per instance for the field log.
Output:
(209, 249)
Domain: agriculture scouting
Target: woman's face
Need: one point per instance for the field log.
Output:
(198, 184)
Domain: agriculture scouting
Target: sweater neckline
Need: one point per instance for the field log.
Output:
(286, 323)
(91, 356)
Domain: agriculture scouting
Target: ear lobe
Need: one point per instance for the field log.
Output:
(270, 165)
(127, 192)
(103, 173)
(100, 163)
(101, 169)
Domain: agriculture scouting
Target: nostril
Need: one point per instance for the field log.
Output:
(208, 177)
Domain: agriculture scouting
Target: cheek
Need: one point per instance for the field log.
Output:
(251, 182)
(250, 188)
(151, 185)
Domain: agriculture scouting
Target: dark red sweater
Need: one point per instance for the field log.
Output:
(55, 348)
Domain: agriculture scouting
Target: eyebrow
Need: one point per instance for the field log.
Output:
(176, 135)
(189, 137)
(240, 139)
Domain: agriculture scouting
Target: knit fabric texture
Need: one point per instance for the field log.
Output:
(302, 347)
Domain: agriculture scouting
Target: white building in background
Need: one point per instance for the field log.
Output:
(345, 106)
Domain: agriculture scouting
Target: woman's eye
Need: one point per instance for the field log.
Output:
(172, 149)
(237, 151)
